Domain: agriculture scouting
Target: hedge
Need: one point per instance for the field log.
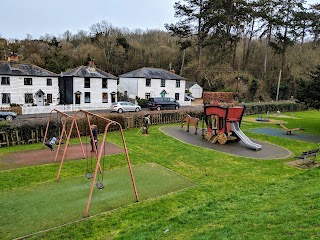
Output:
(33, 130)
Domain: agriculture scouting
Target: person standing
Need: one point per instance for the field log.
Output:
(94, 140)
(146, 123)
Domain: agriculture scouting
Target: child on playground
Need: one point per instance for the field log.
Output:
(94, 130)
(50, 143)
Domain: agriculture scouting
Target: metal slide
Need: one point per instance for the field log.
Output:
(245, 140)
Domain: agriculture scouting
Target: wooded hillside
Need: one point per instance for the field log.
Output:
(223, 45)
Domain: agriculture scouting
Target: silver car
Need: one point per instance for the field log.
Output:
(121, 107)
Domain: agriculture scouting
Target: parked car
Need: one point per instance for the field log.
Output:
(9, 116)
(189, 97)
(121, 107)
(158, 103)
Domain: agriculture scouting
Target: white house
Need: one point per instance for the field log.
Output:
(88, 86)
(27, 84)
(152, 82)
(195, 89)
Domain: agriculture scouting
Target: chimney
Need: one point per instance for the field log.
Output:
(91, 63)
(13, 57)
(91, 66)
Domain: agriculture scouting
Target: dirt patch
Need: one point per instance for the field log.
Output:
(282, 116)
(45, 156)
(304, 164)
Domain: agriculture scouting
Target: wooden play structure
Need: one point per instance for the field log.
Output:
(190, 121)
(289, 130)
(223, 124)
(100, 152)
(64, 119)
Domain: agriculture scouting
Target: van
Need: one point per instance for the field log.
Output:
(158, 103)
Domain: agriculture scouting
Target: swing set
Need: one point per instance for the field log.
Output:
(63, 119)
(100, 153)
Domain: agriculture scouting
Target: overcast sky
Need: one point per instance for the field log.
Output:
(39, 17)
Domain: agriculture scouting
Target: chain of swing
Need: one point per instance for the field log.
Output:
(89, 172)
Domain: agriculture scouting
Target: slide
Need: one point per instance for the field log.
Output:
(245, 140)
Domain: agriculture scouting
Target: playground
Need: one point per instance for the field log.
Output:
(188, 187)
(269, 151)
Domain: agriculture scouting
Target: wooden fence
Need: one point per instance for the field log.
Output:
(35, 134)
(29, 135)
(17, 110)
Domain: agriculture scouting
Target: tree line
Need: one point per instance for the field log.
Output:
(225, 45)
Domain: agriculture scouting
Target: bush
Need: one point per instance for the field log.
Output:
(142, 102)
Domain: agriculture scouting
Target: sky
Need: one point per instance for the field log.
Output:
(20, 18)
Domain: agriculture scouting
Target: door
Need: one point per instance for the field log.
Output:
(78, 98)
(113, 97)
(40, 99)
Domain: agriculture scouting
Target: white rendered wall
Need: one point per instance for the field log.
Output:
(137, 87)
(95, 90)
(196, 91)
(17, 89)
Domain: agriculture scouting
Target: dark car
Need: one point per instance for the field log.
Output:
(9, 116)
(158, 103)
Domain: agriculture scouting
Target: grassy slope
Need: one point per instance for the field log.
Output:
(236, 198)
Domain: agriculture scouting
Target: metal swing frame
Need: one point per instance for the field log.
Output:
(99, 153)
(63, 118)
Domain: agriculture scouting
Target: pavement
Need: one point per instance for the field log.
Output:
(268, 152)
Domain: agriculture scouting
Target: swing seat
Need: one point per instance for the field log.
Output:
(99, 185)
(89, 175)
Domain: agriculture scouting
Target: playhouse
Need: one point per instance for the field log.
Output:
(223, 124)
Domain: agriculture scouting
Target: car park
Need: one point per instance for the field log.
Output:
(9, 116)
(121, 107)
(158, 103)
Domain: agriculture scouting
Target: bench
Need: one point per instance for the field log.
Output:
(311, 153)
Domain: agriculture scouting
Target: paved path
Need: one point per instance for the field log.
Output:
(268, 151)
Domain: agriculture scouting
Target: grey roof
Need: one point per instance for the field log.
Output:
(152, 73)
(190, 84)
(23, 69)
(92, 72)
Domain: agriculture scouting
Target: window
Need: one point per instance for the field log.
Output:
(6, 98)
(177, 83)
(28, 98)
(104, 97)
(87, 82)
(49, 98)
(27, 81)
(163, 82)
(147, 96)
(104, 83)
(176, 96)
(5, 80)
(148, 82)
(87, 97)
(49, 82)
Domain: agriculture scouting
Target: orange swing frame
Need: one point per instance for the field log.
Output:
(98, 153)
(63, 117)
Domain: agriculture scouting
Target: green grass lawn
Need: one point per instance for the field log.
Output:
(50, 204)
(233, 197)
